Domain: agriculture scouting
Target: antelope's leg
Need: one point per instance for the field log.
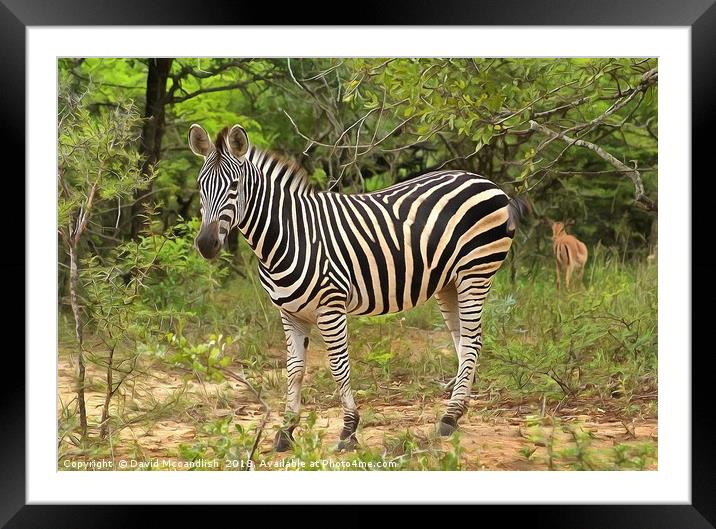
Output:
(296, 344)
(471, 295)
(568, 273)
(556, 261)
(580, 272)
(447, 301)
(333, 327)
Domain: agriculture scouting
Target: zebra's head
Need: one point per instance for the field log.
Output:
(220, 181)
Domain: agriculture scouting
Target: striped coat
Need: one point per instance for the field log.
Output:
(324, 255)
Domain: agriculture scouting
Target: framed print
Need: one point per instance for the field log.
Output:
(436, 264)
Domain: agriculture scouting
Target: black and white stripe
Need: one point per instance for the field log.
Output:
(324, 255)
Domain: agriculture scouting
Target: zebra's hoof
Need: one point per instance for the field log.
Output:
(283, 440)
(348, 444)
(447, 426)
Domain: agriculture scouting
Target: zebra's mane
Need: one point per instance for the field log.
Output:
(262, 158)
(294, 171)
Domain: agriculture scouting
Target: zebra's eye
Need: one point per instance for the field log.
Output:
(234, 185)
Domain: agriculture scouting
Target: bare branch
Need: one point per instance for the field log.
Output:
(639, 195)
(84, 216)
(233, 86)
(648, 79)
(561, 108)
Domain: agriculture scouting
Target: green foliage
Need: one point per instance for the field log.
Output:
(95, 150)
(592, 341)
(205, 359)
(634, 456)
(179, 280)
(309, 442)
(396, 118)
(572, 446)
(230, 447)
(414, 451)
(362, 125)
(609, 364)
(380, 356)
(146, 286)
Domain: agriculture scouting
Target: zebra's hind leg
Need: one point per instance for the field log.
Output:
(470, 295)
(447, 302)
(296, 345)
(333, 327)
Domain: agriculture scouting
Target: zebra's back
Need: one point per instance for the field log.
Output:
(401, 245)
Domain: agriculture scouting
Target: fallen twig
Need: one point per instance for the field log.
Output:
(257, 394)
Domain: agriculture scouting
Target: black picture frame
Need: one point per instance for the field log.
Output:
(699, 15)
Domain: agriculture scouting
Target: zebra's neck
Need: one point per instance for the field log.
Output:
(272, 204)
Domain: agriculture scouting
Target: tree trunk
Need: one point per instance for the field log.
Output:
(654, 235)
(104, 428)
(78, 335)
(152, 134)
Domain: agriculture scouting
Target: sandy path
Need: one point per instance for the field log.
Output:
(494, 436)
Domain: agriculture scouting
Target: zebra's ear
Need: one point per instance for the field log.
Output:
(199, 142)
(238, 141)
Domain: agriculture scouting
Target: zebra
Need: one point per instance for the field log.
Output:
(325, 255)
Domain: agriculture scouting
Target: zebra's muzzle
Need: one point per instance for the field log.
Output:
(207, 242)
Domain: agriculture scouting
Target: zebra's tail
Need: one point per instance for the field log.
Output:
(517, 209)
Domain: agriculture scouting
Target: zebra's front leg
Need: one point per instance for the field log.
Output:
(296, 346)
(333, 327)
(470, 299)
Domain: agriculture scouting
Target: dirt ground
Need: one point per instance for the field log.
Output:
(495, 434)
